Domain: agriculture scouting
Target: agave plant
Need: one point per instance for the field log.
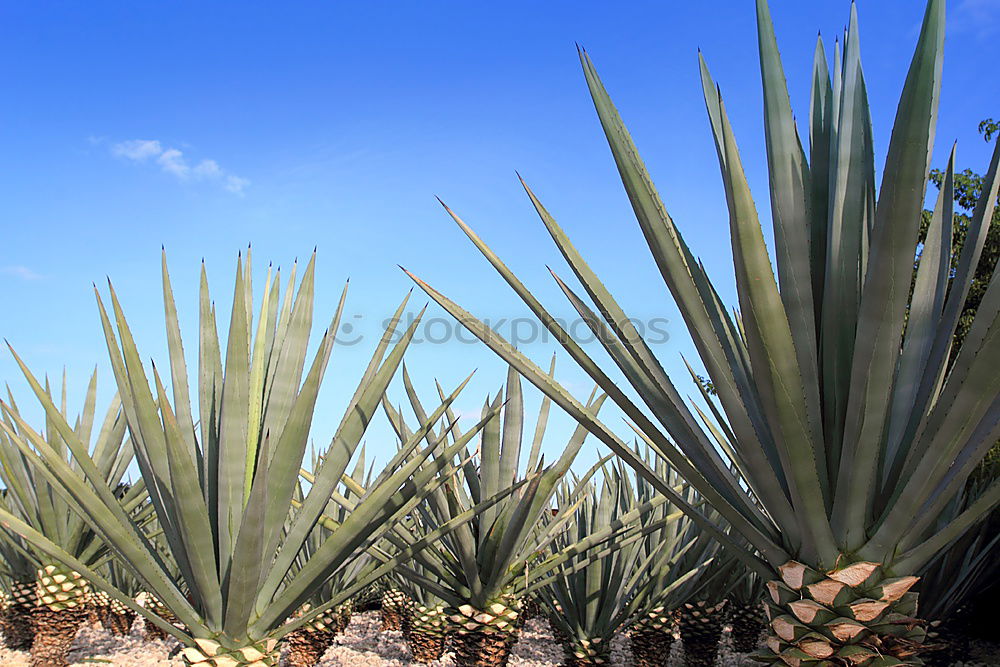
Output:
(19, 570)
(684, 569)
(482, 569)
(307, 645)
(393, 605)
(837, 403)
(746, 612)
(635, 577)
(701, 618)
(60, 596)
(425, 622)
(221, 478)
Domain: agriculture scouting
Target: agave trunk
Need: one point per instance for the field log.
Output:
(333, 620)
(54, 633)
(652, 637)
(306, 646)
(98, 606)
(16, 618)
(153, 632)
(850, 616)
(60, 612)
(485, 637)
(700, 625)
(587, 652)
(394, 603)
(118, 619)
(210, 653)
(747, 621)
(427, 632)
(342, 616)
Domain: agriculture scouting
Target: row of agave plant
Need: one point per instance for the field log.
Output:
(827, 473)
(466, 539)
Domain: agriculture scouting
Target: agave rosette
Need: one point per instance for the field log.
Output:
(653, 560)
(222, 483)
(482, 569)
(849, 428)
(57, 597)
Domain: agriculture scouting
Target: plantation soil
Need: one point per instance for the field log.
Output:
(362, 645)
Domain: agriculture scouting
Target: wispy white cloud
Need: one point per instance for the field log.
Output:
(980, 17)
(173, 161)
(21, 272)
(139, 150)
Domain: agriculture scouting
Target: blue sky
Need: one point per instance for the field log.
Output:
(205, 127)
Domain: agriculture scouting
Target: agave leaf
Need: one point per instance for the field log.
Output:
(256, 391)
(178, 365)
(294, 337)
(778, 375)
(821, 110)
(242, 581)
(929, 292)
(791, 205)
(193, 524)
(291, 441)
(209, 394)
(233, 416)
(886, 287)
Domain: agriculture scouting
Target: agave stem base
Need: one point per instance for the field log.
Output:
(748, 625)
(587, 652)
(426, 646)
(394, 605)
(209, 653)
(54, 634)
(153, 632)
(391, 620)
(483, 649)
(426, 632)
(855, 615)
(306, 646)
(700, 625)
(530, 608)
(651, 648)
(119, 623)
(17, 628)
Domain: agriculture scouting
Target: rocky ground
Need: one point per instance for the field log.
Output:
(362, 645)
